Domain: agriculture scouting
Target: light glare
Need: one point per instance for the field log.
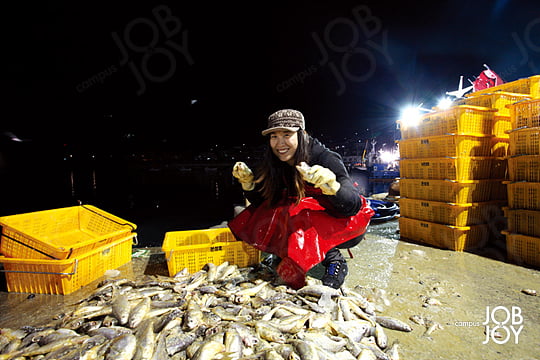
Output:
(410, 116)
(444, 103)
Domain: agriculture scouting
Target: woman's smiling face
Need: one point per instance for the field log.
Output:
(284, 144)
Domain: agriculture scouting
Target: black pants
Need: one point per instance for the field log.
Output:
(335, 255)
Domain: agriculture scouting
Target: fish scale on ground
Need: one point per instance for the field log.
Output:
(221, 312)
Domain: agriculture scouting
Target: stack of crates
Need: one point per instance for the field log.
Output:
(451, 185)
(523, 211)
(59, 251)
(500, 98)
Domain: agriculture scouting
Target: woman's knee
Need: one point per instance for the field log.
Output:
(351, 243)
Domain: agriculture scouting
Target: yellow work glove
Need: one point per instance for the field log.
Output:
(321, 177)
(244, 175)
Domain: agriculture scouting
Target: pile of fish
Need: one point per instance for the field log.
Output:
(221, 312)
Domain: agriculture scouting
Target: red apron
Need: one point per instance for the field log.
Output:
(300, 234)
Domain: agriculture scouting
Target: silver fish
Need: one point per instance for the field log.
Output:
(208, 350)
(394, 324)
(269, 332)
(121, 308)
(305, 349)
(178, 340)
(146, 339)
(247, 334)
(331, 343)
(233, 343)
(318, 290)
(122, 348)
(380, 336)
(193, 316)
(54, 345)
(138, 312)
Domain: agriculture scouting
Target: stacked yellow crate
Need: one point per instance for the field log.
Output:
(523, 211)
(500, 98)
(451, 184)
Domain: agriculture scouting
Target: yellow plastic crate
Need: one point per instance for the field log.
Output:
(60, 233)
(457, 120)
(193, 249)
(496, 100)
(526, 222)
(524, 168)
(535, 86)
(501, 125)
(522, 249)
(525, 114)
(65, 276)
(450, 213)
(453, 191)
(525, 141)
(458, 238)
(445, 145)
(499, 147)
(460, 168)
(523, 195)
(520, 86)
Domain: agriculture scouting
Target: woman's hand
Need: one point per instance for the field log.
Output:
(320, 177)
(244, 175)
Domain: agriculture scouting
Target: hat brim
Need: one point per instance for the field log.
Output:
(279, 128)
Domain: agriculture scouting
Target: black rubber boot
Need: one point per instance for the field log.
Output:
(271, 262)
(336, 269)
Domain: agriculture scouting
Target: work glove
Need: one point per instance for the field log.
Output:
(321, 177)
(244, 175)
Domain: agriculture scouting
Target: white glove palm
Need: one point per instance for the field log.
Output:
(244, 175)
(320, 177)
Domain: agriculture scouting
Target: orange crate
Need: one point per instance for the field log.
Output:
(193, 249)
(496, 100)
(525, 141)
(450, 213)
(65, 276)
(524, 168)
(60, 233)
(445, 145)
(457, 120)
(520, 86)
(525, 114)
(499, 147)
(501, 125)
(458, 238)
(523, 195)
(453, 191)
(525, 222)
(522, 249)
(460, 168)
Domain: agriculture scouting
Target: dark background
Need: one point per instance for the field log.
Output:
(213, 72)
(247, 61)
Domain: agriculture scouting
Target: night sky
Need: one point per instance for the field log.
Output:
(196, 73)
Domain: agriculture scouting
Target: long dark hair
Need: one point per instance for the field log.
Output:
(276, 175)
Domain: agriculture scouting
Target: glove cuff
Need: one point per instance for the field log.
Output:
(248, 186)
(331, 189)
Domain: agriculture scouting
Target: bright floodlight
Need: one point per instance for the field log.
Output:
(444, 103)
(410, 116)
(388, 157)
